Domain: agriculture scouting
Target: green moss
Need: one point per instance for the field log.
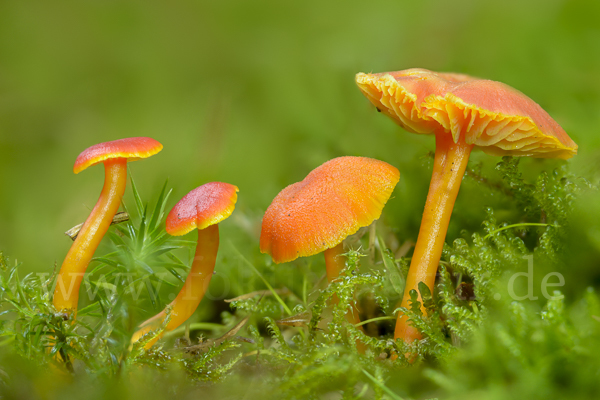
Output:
(478, 342)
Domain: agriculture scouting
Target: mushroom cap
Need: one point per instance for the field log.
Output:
(131, 148)
(204, 206)
(331, 203)
(491, 115)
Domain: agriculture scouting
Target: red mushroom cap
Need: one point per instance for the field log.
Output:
(491, 115)
(204, 206)
(331, 203)
(131, 148)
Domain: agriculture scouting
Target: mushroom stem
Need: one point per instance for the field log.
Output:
(66, 293)
(449, 167)
(193, 289)
(335, 262)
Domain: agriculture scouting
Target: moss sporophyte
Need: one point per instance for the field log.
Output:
(462, 112)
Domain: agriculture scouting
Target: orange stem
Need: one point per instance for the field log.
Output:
(66, 293)
(449, 167)
(335, 262)
(193, 289)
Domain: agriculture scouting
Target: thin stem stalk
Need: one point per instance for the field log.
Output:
(66, 293)
(194, 287)
(449, 167)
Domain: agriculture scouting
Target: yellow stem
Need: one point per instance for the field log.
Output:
(193, 289)
(66, 293)
(449, 167)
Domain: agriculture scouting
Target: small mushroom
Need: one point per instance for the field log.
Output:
(202, 209)
(318, 213)
(114, 155)
(462, 112)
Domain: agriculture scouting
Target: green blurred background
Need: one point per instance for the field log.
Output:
(258, 93)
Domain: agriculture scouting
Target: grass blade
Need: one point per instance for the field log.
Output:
(136, 196)
(245, 260)
(386, 389)
(161, 203)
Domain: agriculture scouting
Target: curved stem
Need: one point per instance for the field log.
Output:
(193, 289)
(335, 262)
(449, 167)
(66, 293)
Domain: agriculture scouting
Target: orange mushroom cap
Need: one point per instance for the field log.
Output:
(204, 206)
(331, 203)
(493, 116)
(131, 148)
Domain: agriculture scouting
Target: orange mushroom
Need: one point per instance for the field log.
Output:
(318, 213)
(114, 155)
(202, 208)
(462, 112)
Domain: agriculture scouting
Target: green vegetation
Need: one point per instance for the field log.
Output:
(284, 340)
(257, 94)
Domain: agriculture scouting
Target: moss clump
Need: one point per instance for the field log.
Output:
(283, 339)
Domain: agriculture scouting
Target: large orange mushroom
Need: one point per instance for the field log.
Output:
(315, 215)
(114, 155)
(462, 112)
(203, 209)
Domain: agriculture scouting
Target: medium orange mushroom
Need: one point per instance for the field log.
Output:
(114, 155)
(462, 112)
(202, 209)
(315, 215)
